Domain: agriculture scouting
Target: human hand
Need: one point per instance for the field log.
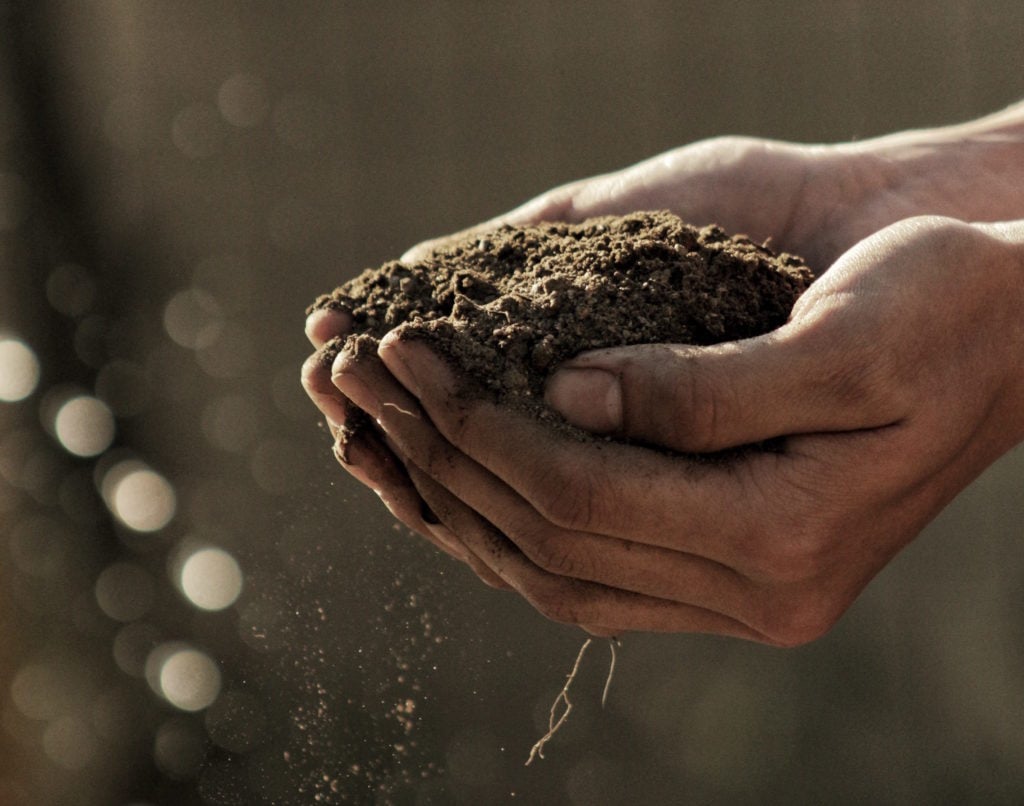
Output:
(823, 199)
(831, 192)
(896, 381)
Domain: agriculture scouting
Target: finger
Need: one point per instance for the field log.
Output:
(324, 324)
(660, 500)
(367, 381)
(611, 561)
(316, 380)
(428, 492)
(568, 600)
(804, 378)
(600, 632)
(371, 463)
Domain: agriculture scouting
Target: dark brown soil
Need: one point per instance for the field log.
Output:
(506, 308)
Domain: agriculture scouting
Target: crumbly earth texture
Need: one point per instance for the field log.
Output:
(506, 308)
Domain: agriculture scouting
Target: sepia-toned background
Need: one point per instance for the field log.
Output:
(198, 607)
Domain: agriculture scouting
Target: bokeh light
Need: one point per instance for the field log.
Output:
(193, 319)
(42, 691)
(211, 579)
(138, 496)
(242, 100)
(70, 742)
(84, 426)
(186, 677)
(19, 370)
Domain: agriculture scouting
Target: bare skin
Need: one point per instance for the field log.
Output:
(896, 381)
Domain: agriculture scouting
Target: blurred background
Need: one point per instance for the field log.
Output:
(198, 607)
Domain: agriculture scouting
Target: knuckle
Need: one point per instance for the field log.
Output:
(453, 418)
(800, 619)
(553, 600)
(435, 459)
(795, 553)
(551, 553)
(698, 403)
(564, 498)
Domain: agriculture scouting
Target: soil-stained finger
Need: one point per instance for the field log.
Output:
(573, 601)
(705, 508)
(438, 503)
(324, 324)
(371, 463)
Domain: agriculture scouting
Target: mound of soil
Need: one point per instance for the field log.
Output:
(507, 307)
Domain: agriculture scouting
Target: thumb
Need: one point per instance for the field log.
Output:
(702, 399)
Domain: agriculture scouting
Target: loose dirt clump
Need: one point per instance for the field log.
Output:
(507, 307)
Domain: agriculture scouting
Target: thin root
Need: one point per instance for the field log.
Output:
(556, 720)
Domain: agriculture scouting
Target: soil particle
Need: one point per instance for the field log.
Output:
(506, 308)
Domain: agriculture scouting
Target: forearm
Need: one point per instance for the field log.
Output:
(971, 171)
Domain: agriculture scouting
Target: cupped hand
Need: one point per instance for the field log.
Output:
(895, 383)
(811, 200)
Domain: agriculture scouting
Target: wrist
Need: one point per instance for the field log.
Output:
(1009, 236)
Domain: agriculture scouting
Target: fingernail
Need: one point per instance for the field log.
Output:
(586, 397)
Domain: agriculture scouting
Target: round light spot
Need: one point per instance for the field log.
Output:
(138, 496)
(189, 679)
(193, 319)
(242, 100)
(125, 591)
(84, 426)
(19, 370)
(69, 742)
(41, 691)
(211, 579)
